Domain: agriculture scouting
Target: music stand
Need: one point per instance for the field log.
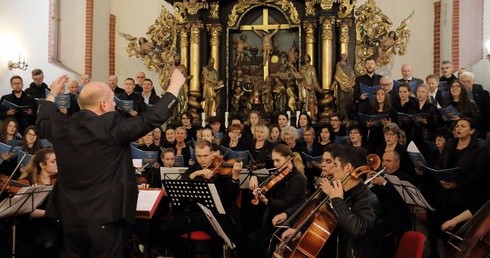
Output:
(186, 193)
(25, 201)
(409, 193)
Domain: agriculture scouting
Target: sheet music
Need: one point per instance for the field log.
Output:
(409, 193)
(216, 199)
(216, 225)
(147, 199)
(172, 173)
(25, 201)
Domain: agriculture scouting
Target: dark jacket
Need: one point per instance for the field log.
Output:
(138, 101)
(37, 92)
(356, 215)
(97, 184)
(21, 116)
(471, 185)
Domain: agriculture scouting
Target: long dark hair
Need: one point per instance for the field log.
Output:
(464, 102)
(35, 146)
(285, 151)
(33, 170)
(6, 122)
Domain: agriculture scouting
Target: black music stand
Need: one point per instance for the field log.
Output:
(187, 193)
(25, 201)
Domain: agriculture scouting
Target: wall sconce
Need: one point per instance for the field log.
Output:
(487, 46)
(18, 65)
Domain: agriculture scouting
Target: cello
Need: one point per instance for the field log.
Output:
(473, 238)
(320, 219)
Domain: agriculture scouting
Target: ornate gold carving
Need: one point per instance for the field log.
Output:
(158, 48)
(310, 32)
(375, 38)
(214, 30)
(327, 28)
(344, 30)
(310, 7)
(345, 8)
(182, 9)
(214, 10)
(195, 28)
(184, 34)
(288, 7)
(243, 5)
(326, 4)
(238, 9)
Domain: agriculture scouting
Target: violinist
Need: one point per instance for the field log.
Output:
(355, 207)
(228, 190)
(40, 236)
(283, 195)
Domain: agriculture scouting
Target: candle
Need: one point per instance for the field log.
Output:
(226, 119)
(289, 117)
(203, 118)
(297, 118)
(19, 57)
(213, 114)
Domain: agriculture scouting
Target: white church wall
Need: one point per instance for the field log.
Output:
(420, 47)
(25, 29)
(126, 12)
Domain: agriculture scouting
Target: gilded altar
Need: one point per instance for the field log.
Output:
(269, 55)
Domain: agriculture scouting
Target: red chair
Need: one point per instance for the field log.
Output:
(198, 238)
(411, 245)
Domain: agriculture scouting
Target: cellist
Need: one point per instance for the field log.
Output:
(354, 206)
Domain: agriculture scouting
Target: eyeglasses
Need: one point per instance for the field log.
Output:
(389, 134)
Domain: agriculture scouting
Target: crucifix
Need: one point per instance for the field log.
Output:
(266, 36)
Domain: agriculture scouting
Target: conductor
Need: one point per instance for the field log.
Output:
(96, 192)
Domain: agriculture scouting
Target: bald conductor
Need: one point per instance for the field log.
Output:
(96, 191)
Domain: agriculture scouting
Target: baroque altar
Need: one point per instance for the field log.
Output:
(268, 55)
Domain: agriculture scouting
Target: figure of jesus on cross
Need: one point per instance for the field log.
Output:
(266, 43)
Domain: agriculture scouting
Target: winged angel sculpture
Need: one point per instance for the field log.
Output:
(158, 48)
(374, 36)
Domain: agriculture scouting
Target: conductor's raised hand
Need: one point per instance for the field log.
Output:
(177, 79)
(58, 84)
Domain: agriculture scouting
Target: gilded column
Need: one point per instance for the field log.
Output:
(214, 31)
(327, 54)
(344, 35)
(309, 28)
(195, 29)
(184, 44)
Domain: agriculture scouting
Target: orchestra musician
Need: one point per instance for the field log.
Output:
(228, 190)
(95, 195)
(285, 194)
(40, 236)
(355, 207)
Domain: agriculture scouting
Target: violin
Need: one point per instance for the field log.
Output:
(221, 167)
(13, 186)
(272, 180)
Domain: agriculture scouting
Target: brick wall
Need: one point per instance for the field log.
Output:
(89, 26)
(455, 35)
(112, 44)
(437, 37)
(51, 34)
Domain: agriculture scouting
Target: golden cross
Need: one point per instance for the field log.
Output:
(266, 27)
